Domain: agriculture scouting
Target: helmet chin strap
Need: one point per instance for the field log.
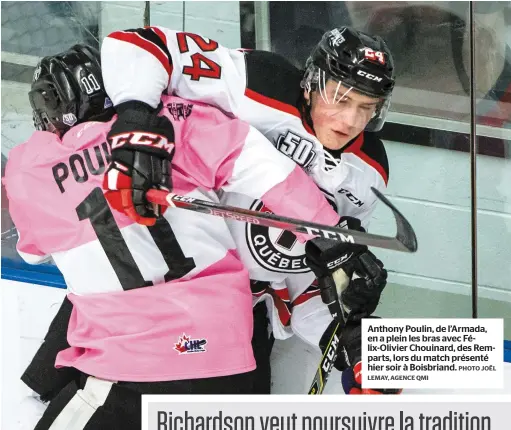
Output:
(306, 106)
(323, 93)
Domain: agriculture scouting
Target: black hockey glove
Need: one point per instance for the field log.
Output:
(325, 256)
(142, 147)
(368, 280)
(349, 358)
(359, 277)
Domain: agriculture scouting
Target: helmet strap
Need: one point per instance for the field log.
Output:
(305, 109)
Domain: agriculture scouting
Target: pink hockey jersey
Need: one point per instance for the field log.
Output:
(157, 303)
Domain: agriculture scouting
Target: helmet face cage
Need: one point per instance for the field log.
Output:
(45, 100)
(354, 61)
(68, 89)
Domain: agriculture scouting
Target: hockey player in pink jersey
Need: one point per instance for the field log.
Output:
(323, 118)
(164, 308)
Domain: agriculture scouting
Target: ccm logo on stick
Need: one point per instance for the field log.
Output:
(331, 355)
(330, 234)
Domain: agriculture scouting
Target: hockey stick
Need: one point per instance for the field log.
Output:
(328, 288)
(405, 239)
(327, 362)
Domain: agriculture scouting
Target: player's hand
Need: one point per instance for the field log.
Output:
(352, 382)
(325, 256)
(359, 275)
(368, 280)
(328, 258)
(142, 147)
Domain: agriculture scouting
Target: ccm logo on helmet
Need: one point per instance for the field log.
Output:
(369, 76)
(140, 138)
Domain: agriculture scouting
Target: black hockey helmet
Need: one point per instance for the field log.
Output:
(356, 61)
(67, 89)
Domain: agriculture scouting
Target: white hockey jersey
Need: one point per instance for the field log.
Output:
(263, 89)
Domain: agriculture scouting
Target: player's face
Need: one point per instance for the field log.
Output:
(339, 113)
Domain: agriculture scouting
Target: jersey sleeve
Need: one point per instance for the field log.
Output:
(366, 166)
(225, 153)
(357, 199)
(264, 173)
(142, 64)
(310, 316)
(304, 315)
(20, 209)
(261, 172)
(277, 302)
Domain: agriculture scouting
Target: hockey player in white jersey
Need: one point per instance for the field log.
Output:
(323, 118)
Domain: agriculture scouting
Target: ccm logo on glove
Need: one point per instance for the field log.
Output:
(140, 138)
(339, 261)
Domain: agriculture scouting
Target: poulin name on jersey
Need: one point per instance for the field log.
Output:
(275, 250)
(187, 345)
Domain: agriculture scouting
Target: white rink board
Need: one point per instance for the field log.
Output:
(27, 311)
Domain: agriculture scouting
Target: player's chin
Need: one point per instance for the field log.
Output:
(337, 140)
(342, 136)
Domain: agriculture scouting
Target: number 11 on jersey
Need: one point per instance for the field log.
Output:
(95, 208)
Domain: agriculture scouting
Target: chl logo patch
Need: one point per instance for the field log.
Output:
(187, 345)
(180, 110)
(275, 250)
